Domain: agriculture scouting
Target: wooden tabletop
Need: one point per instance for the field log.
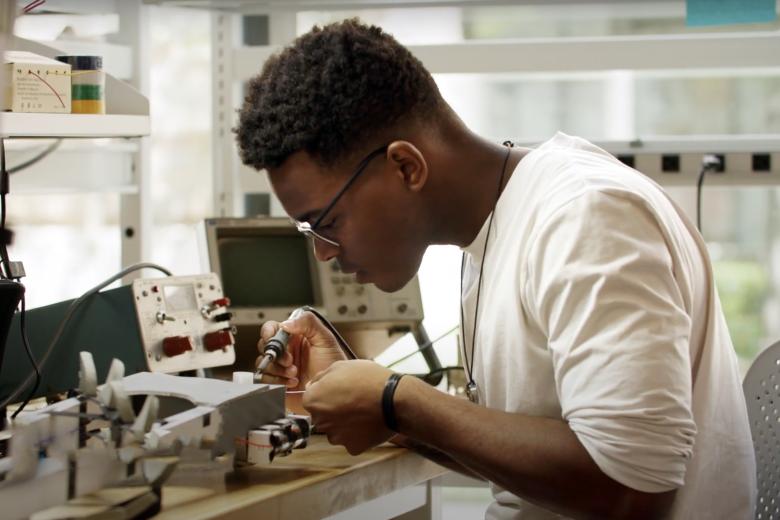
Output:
(312, 483)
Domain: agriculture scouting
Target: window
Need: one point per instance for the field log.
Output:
(610, 105)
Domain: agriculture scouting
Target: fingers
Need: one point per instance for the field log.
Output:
(267, 331)
(285, 368)
(269, 378)
(280, 372)
(286, 360)
(311, 348)
(310, 327)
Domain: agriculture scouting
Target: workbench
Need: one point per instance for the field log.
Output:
(320, 481)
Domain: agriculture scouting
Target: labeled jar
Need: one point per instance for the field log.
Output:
(87, 84)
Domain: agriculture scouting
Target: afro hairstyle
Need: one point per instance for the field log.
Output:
(333, 90)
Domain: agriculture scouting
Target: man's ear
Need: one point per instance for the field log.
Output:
(409, 164)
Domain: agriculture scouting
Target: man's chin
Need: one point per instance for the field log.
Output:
(388, 286)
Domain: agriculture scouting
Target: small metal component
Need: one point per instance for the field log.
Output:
(267, 359)
(472, 392)
(277, 439)
(162, 317)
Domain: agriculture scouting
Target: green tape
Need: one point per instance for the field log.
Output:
(85, 92)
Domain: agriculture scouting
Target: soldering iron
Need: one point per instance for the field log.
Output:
(276, 346)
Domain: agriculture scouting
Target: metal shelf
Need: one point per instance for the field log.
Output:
(127, 110)
(14, 124)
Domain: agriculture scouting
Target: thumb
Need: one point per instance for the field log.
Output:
(267, 330)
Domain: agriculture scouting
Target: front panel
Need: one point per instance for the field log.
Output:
(348, 302)
(184, 322)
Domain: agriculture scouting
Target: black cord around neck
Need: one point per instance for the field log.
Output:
(468, 364)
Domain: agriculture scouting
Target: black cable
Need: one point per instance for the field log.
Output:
(351, 354)
(36, 368)
(69, 314)
(328, 325)
(29, 162)
(709, 163)
(698, 197)
(5, 272)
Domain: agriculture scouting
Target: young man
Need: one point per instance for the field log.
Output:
(603, 378)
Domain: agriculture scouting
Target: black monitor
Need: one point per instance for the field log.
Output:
(266, 270)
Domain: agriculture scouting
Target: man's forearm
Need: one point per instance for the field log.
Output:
(539, 459)
(437, 456)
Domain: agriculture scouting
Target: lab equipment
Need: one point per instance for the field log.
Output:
(35, 83)
(268, 269)
(169, 324)
(134, 432)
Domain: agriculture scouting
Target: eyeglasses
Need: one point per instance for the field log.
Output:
(310, 230)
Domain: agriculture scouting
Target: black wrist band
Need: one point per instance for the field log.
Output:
(388, 408)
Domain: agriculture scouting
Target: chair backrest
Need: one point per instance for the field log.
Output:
(762, 393)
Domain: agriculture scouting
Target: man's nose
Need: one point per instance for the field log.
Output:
(324, 251)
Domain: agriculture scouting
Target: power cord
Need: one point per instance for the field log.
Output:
(36, 368)
(4, 190)
(69, 314)
(328, 325)
(709, 163)
(10, 272)
(42, 155)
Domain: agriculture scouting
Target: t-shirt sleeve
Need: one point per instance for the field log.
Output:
(600, 283)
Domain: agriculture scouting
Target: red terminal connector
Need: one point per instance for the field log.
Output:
(220, 302)
(218, 340)
(175, 345)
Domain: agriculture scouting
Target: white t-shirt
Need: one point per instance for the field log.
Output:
(598, 307)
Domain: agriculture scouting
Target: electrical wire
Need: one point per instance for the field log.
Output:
(423, 347)
(36, 368)
(699, 184)
(7, 273)
(75, 304)
(42, 155)
(328, 325)
(4, 189)
(709, 163)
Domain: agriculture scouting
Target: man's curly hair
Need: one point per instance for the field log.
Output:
(331, 91)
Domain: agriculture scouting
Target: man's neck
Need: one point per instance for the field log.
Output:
(468, 186)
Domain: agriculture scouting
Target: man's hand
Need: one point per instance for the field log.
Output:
(311, 349)
(345, 403)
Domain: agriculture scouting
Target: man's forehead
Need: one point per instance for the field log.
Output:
(302, 184)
